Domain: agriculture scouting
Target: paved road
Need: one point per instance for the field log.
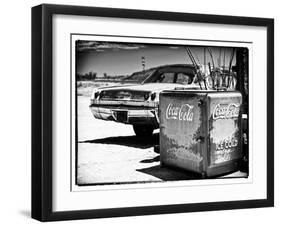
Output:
(109, 152)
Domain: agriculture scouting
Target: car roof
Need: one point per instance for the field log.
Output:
(190, 68)
(176, 65)
(177, 68)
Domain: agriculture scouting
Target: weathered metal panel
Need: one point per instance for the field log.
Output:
(181, 128)
(200, 131)
(224, 127)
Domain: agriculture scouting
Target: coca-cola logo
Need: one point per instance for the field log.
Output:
(227, 143)
(226, 111)
(181, 113)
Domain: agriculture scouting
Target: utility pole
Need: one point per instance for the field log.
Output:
(143, 62)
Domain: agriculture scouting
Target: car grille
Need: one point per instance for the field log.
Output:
(123, 95)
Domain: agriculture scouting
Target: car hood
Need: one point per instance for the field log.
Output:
(137, 92)
(150, 87)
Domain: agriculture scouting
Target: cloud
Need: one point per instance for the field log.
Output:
(82, 46)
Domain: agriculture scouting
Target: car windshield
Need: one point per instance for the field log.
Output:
(171, 77)
(140, 76)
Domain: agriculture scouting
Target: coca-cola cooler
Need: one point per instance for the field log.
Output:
(200, 131)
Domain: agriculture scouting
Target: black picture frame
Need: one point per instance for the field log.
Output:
(42, 111)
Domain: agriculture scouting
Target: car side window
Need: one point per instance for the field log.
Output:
(166, 77)
(183, 78)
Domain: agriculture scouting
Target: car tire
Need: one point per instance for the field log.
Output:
(143, 130)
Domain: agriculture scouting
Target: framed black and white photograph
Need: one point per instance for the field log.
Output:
(144, 112)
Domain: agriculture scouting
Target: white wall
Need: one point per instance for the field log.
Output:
(15, 117)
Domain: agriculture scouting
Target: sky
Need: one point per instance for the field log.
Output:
(115, 58)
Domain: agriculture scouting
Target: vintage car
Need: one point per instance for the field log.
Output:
(137, 104)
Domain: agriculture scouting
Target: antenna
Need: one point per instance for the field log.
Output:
(197, 69)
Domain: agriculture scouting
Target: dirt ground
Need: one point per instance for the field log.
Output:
(109, 152)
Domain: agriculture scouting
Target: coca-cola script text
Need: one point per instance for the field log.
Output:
(181, 113)
(226, 111)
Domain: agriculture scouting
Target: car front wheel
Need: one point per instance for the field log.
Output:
(143, 130)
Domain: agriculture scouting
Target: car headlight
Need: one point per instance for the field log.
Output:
(96, 95)
(153, 96)
(146, 96)
(93, 93)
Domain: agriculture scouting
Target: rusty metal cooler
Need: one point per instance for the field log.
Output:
(200, 131)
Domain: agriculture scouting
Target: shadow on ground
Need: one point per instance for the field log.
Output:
(169, 174)
(130, 141)
(155, 159)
